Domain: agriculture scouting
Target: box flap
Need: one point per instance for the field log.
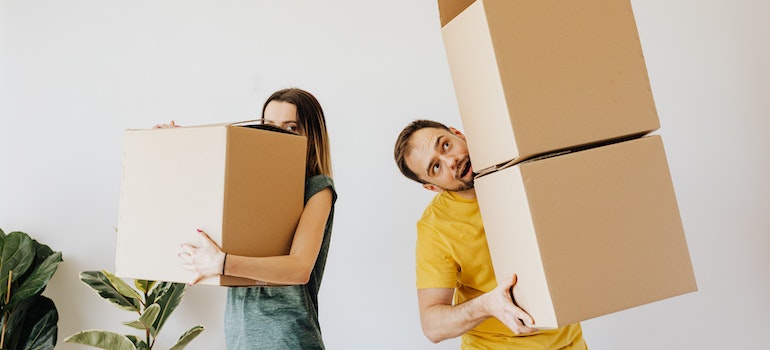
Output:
(449, 9)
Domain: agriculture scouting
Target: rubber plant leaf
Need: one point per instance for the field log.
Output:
(102, 340)
(146, 320)
(157, 292)
(99, 283)
(144, 286)
(122, 287)
(168, 301)
(139, 344)
(187, 337)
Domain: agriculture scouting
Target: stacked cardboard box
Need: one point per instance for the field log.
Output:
(243, 185)
(576, 200)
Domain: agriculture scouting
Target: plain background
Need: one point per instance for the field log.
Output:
(75, 74)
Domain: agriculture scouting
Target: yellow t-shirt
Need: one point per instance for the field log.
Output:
(452, 252)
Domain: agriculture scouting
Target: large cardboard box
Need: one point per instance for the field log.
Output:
(532, 77)
(588, 233)
(242, 185)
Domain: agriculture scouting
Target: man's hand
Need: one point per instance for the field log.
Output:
(205, 260)
(499, 303)
(441, 319)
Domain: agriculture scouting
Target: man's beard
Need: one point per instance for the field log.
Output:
(462, 167)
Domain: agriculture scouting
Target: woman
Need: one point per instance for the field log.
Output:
(282, 313)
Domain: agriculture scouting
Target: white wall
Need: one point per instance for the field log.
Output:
(75, 74)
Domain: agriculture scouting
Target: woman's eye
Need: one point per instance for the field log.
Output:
(292, 128)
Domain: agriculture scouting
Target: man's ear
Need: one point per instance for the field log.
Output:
(456, 132)
(432, 187)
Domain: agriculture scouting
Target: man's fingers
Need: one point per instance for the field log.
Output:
(524, 330)
(526, 319)
(514, 279)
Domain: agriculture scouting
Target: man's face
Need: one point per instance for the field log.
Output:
(440, 157)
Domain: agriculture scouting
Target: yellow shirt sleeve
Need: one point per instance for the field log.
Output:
(435, 266)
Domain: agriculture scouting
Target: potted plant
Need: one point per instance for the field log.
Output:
(28, 320)
(152, 301)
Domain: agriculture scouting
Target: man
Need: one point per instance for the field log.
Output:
(456, 288)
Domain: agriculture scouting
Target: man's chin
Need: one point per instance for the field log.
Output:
(464, 185)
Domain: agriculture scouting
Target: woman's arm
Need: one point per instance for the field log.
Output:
(296, 267)
(292, 269)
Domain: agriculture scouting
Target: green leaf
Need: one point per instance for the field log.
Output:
(157, 292)
(16, 253)
(102, 340)
(187, 337)
(43, 318)
(139, 344)
(37, 280)
(168, 301)
(149, 316)
(122, 287)
(42, 252)
(32, 324)
(145, 321)
(102, 285)
(144, 285)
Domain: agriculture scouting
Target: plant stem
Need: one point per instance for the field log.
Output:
(8, 295)
(2, 337)
(146, 296)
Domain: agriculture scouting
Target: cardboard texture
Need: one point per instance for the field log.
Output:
(243, 186)
(588, 233)
(533, 77)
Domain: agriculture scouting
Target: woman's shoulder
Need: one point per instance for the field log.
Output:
(316, 183)
(321, 180)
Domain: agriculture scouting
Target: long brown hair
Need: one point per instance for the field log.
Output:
(312, 124)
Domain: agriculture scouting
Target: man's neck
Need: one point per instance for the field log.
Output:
(467, 194)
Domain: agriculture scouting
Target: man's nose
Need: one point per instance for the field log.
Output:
(450, 161)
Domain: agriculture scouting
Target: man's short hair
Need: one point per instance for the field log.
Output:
(404, 145)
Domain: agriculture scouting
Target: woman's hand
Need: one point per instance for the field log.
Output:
(165, 126)
(205, 260)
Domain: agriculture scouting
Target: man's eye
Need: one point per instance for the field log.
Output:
(445, 146)
(435, 168)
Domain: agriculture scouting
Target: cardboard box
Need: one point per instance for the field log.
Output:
(588, 233)
(533, 77)
(243, 186)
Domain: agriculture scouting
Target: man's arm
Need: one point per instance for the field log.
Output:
(441, 320)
